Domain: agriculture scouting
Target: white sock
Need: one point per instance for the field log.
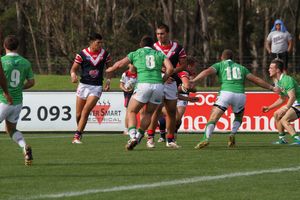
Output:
(18, 138)
(209, 129)
(236, 125)
(132, 133)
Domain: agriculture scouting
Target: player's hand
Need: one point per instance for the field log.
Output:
(74, 77)
(169, 80)
(277, 90)
(8, 98)
(265, 109)
(193, 99)
(107, 86)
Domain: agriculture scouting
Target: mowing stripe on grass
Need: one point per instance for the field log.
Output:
(159, 184)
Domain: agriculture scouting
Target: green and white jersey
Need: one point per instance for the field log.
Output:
(16, 69)
(231, 75)
(287, 83)
(148, 63)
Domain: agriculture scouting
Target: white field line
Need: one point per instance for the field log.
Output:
(196, 179)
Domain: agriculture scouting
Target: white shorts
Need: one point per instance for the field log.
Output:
(149, 92)
(85, 90)
(10, 113)
(235, 100)
(170, 91)
(182, 103)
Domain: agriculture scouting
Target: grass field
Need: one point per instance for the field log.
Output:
(101, 169)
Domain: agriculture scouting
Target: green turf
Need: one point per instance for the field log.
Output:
(101, 162)
(62, 82)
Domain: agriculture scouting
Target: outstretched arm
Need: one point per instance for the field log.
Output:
(203, 74)
(258, 81)
(121, 63)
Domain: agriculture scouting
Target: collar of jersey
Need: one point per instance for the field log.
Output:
(12, 54)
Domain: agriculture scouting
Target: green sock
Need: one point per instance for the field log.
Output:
(281, 136)
(296, 137)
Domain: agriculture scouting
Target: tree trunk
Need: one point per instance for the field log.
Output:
(34, 43)
(205, 36)
(267, 29)
(21, 29)
(241, 19)
(168, 10)
(47, 37)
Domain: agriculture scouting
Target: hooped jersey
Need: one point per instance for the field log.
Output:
(231, 76)
(92, 65)
(287, 83)
(173, 51)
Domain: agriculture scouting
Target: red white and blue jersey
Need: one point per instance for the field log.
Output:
(92, 65)
(173, 51)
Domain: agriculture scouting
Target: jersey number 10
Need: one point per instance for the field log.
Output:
(233, 73)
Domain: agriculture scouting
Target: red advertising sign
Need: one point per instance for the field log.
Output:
(254, 120)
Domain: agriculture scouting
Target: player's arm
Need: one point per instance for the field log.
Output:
(260, 82)
(182, 64)
(268, 46)
(108, 77)
(203, 74)
(276, 104)
(292, 98)
(28, 84)
(119, 64)
(73, 72)
(3, 85)
(169, 69)
(188, 98)
(290, 45)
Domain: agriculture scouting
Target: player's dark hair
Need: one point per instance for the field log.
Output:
(11, 42)
(279, 63)
(163, 26)
(146, 41)
(95, 36)
(227, 54)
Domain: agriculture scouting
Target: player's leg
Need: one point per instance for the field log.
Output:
(280, 128)
(237, 102)
(162, 129)
(171, 108)
(215, 115)
(152, 126)
(238, 118)
(291, 115)
(89, 104)
(17, 136)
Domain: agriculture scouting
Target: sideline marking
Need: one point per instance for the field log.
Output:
(158, 184)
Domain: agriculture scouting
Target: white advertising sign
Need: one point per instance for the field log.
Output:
(55, 111)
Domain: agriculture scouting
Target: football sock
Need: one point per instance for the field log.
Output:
(150, 133)
(296, 137)
(18, 138)
(170, 137)
(236, 123)
(140, 134)
(162, 123)
(210, 126)
(163, 134)
(132, 132)
(162, 127)
(281, 136)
